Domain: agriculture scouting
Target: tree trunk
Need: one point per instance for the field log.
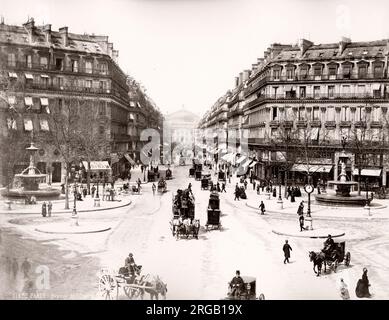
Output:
(88, 178)
(66, 191)
(286, 184)
(359, 180)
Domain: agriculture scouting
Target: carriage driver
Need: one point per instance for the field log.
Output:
(329, 245)
(236, 285)
(130, 265)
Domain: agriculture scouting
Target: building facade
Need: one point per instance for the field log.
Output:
(320, 94)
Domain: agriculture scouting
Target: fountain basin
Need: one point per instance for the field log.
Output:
(41, 194)
(342, 201)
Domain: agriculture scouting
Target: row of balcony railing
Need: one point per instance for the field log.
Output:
(317, 123)
(292, 95)
(22, 65)
(322, 77)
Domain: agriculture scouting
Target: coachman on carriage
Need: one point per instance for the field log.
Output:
(162, 185)
(183, 222)
(243, 288)
(213, 212)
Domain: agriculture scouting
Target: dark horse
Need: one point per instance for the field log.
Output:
(155, 287)
(186, 230)
(318, 258)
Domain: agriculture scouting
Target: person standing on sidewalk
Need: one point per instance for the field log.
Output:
(236, 192)
(44, 212)
(301, 220)
(287, 249)
(224, 187)
(262, 207)
(15, 268)
(344, 294)
(26, 267)
(254, 183)
(93, 191)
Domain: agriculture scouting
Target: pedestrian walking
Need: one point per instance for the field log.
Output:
(258, 189)
(262, 207)
(292, 195)
(287, 249)
(236, 192)
(224, 187)
(26, 267)
(254, 184)
(44, 211)
(274, 192)
(141, 168)
(93, 191)
(49, 208)
(363, 284)
(344, 294)
(301, 220)
(15, 268)
(84, 192)
(300, 209)
(245, 184)
(153, 187)
(218, 187)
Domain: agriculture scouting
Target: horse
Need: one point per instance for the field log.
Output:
(155, 287)
(318, 258)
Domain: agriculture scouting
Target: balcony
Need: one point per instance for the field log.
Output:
(301, 123)
(120, 137)
(360, 124)
(25, 67)
(330, 124)
(287, 124)
(376, 124)
(315, 123)
(67, 88)
(345, 124)
(274, 124)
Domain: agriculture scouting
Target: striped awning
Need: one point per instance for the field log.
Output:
(97, 165)
(368, 172)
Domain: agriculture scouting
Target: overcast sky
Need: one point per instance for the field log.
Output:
(188, 52)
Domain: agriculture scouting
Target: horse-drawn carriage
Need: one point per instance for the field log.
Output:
(135, 189)
(213, 212)
(134, 287)
(330, 259)
(221, 176)
(205, 179)
(162, 185)
(241, 192)
(151, 176)
(183, 222)
(245, 292)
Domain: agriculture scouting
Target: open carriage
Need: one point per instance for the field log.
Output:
(205, 179)
(183, 222)
(213, 212)
(134, 287)
(221, 176)
(247, 291)
(162, 186)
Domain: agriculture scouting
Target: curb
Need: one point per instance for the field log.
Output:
(70, 210)
(309, 237)
(80, 232)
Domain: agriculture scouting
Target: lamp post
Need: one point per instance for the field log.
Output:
(74, 213)
(367, 206)
(279, 201)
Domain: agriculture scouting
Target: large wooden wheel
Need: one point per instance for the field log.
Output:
(108, 287)
(130, 292)
(348, 259)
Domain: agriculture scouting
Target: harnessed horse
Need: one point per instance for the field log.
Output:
(318, 258)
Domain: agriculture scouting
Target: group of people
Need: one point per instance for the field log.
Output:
(12, 268)
(47, 209)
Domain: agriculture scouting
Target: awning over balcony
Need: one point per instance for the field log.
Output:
(313, 168)
(12, 75)
(368, 172)
(28, 101)
(97, 165)
(29, 76)
(44, 101)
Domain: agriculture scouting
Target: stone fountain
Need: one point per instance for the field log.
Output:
(30, 179)
(342, 197)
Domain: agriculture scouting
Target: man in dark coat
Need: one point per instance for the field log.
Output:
(301, 220)
(274, 192)
(287, 249)
(300, 209)
(236, 284)
(262, 207)
(224, 187)
(237, 192)
(362, 289)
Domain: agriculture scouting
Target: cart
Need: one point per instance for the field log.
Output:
(191, 172)
(205, 181)
(221, 176)
(198, 175)
(246, 292)
(213, 212)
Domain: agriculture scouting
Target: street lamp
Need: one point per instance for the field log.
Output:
(74, 213)
(367, 206)
(279, 201)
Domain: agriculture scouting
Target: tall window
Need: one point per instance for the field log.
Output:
(362, 71)
(331, 91)
(102, 108)
(28, 61)
(275, 91)
(74, 65)
(330, 114)
(103, 68)
(290, 73)
(361, 90)
(315, 114)
(345, 114)
(11, 60)
(103, 85)
(304, 72)
(317, 71)
(375, 114)
(88, 84)
(88, 66)
(59, 64)
(43, 61)
(378, 71)
(360, 114)
(316, 92)
(346, 91)
(303, 92)
(277, 74)
(347, 71)
(301, 113)
(274, 113)
(332, 70)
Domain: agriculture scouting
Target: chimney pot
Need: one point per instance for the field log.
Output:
(64, 35)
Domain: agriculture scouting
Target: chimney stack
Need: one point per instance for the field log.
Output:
(304, 45)
(47, 31)
(236, 82)
(115, 55)
(110, 49)
(246, 75)
(343, 44)
(240, 78)
(64, 35)
(30, 27)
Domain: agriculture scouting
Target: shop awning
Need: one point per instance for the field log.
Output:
(12, 100)
(29, 76)
(129, 159)
(376, 86)
(131, 116)
(252, 164)
(12, 75)
(368, 172)
(97, 165)
(44, 101)
(241, 159)
(28, 101)
(312, 168)
(44, 76)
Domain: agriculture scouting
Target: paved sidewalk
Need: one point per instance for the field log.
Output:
(87, 205)
(292, 231)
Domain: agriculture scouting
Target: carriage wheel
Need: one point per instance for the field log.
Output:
(108, 287)
(336, 263)
(131, 293)
(261, 297)
(348, 259)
